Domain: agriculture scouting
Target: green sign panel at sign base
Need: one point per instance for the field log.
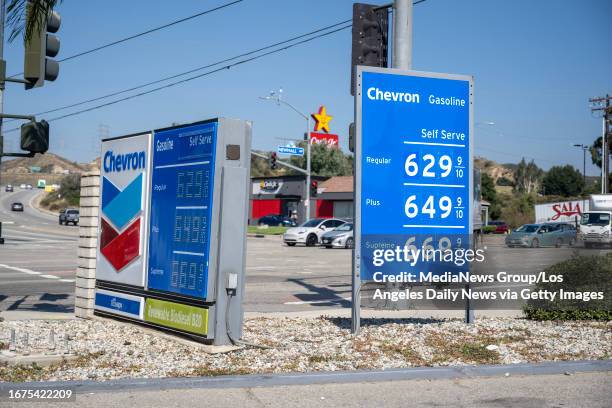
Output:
(177, 316)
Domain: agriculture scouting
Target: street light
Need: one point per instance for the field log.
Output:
(277, 97)
(584, 150)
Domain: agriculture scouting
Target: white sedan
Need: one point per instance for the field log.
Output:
(309, 233)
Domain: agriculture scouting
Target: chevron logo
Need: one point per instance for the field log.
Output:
(120, 242)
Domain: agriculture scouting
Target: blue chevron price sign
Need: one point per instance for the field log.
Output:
(181, 205)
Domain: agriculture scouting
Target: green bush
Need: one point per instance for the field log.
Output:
(580, 274)
(487, 229)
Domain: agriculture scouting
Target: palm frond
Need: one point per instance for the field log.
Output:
(16, 17)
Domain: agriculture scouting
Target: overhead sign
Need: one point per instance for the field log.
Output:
(293, 150)
(181, 203)
(124, 176)
(414, 131)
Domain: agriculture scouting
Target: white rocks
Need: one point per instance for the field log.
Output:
(112, 350)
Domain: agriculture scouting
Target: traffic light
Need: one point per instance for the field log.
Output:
(352, 137)
(35, 137)
(273, 160)
(370, 38)
(314, 186)
(36, 66)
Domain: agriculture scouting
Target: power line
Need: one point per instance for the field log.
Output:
(190, 71)
(152, 30)
(286, 47)
(193, 70)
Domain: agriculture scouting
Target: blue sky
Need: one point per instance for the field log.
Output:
(535, 64)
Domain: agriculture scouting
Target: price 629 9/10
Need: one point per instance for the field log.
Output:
(431, 207)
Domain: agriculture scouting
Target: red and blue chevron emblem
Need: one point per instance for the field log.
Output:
(120, 232)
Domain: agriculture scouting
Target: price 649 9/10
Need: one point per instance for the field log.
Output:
(431, 207)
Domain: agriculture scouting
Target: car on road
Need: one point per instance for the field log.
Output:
(8, 188)
(310, 232)
(17, 206)
(22, 186)
(276, 220)
(341, 237)
(500, 227)
(28, 186)
(541, 235)
(69, 216)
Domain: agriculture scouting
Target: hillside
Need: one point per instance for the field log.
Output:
(494, 169)
(48, 163)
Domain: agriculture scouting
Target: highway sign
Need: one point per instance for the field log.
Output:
(413, 170)
(293, 150)
(181, 204)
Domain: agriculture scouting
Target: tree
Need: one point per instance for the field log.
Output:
(564, 181)
(325, 161)
(16, 11)
(488, 192)
(527, 177)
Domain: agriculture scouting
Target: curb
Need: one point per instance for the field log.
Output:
(251, 235)
(337, 377)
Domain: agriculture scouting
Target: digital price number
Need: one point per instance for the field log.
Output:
(431, 167)
(181, 211)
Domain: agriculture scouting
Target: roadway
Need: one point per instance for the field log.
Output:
(39, 259)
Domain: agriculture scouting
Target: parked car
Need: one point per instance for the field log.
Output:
(500, 227)
(537, 235)
(276, 220)
(341, 237)
(310, 232)
(69, 215)
(17, 207)
(22, 186)
(28, 186)
(8, 188)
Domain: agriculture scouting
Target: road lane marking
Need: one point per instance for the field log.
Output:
(31, 272)
(14, 268)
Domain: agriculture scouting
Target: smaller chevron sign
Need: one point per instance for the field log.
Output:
(120, 242)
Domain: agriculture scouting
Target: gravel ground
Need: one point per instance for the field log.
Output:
(108, 350)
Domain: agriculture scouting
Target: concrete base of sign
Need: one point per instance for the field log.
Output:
(88, 241)
(206, 348)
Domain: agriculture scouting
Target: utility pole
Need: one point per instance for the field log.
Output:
(402, 34)
(2, 18)
(603, 104)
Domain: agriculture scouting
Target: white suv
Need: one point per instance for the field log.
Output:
(309, 233)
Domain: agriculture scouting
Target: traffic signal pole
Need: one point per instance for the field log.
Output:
(402, 34)
(307, 168)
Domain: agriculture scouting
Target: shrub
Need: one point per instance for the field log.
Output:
(580, 274)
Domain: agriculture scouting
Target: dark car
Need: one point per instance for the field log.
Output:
(16, 207)
(276, 220)
(500, 227)
(8, 188)
(69, 215)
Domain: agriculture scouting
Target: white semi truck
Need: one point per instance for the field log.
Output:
(595, 223)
